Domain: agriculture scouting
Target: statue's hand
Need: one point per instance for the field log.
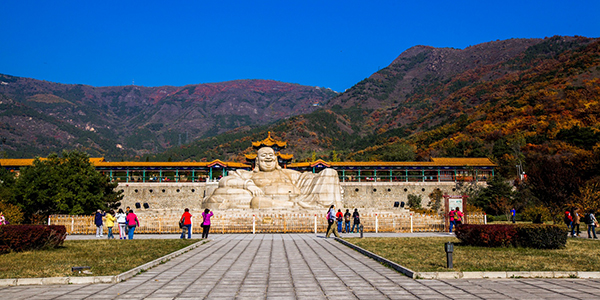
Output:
(256, 191)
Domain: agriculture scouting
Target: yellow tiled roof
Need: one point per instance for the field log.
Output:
(172, 164)
(100, 162)
(435, 162)
(463, 161)
(285, 156)
(269, 142)
(16, 162)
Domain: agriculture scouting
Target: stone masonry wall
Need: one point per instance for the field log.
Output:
(372, 195)
(382, 195)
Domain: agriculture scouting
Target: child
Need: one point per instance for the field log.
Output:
(110, 223)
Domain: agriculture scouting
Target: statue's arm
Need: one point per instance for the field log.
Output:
(239, 180)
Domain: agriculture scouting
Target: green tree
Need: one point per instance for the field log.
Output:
(399, 152)
(496, 197)
(11, 212)
(435, 199)
(7, 182)
(414, 201)
(67, 184)
(554, 181)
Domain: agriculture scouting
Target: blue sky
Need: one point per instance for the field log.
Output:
(332, 44)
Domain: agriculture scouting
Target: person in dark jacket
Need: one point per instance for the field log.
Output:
(356, 217)
(98, 220)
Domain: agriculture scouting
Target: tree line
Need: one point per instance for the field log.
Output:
(59, 184)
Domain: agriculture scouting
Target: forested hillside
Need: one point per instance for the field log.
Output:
(40, 117)
(539, 94)
(533, 107)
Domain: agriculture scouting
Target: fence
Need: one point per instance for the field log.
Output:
(267, 223)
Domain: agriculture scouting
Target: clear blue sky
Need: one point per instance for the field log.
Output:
(332, 44)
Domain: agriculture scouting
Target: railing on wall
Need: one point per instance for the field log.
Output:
(267, 223)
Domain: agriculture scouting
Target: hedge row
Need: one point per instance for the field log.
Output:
(29, 237)
(537, 236)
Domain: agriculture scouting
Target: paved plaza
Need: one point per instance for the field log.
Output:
(295, 266)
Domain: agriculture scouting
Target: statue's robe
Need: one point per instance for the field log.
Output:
(282, 188)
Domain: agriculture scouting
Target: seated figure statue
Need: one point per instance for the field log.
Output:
(270, 186)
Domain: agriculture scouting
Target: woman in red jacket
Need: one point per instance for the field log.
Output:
(187, 224)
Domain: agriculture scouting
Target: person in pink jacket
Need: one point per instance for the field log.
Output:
(206, 222)
(132, 222)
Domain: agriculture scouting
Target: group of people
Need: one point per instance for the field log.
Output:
(185, 222)
(127, 222)
(342, 220)
(456, 217)
(573, 220)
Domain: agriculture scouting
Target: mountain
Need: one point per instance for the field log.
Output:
(39, 117)
(503, 99)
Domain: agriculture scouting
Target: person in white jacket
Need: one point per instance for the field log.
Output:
(121, 220)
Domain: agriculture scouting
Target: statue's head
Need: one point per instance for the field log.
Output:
(266, 160)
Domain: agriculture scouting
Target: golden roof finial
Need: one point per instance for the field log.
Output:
(269, 142)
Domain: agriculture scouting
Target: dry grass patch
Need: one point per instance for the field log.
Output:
(427, 255)
(105, 257)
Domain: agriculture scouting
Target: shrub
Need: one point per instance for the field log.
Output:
(541, 236)
(536, 214)
(472, 209)
(29, 237)
(12, 213)
(487, 235)
(414, 201)
(520, 235)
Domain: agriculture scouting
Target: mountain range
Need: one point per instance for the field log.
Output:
(505, 100)
(40, 117)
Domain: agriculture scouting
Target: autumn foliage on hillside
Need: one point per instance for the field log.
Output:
(527, 103)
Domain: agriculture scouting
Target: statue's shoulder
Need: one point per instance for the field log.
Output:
(241, 173)
(290, 172)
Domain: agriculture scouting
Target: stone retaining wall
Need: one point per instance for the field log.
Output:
(374, 195)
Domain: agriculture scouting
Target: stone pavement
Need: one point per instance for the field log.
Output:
(296, 266)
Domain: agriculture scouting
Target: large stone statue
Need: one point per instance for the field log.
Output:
(270, 186)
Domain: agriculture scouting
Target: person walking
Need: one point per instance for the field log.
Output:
(356, 223)
(206, 222)
(591, 225)
(513, 213)
(98, 221)
(186, 220)
(122, 221)
(331, 227)
(451, 219)
(110, 223)
(132, 222)
(458, 216)
(569, 221)
(339, 216)
(347, 218)
(2, 219)
(576, 222)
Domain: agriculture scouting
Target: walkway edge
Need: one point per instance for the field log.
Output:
(472, 275)
(98, 279)
(406, 271)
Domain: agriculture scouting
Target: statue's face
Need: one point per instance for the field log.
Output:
(267, 161)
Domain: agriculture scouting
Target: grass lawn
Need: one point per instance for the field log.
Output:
(105, 257)
(428, 255)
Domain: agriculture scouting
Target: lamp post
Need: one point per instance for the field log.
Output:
(449, 248)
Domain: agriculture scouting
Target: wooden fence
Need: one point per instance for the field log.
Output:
(266, 223)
